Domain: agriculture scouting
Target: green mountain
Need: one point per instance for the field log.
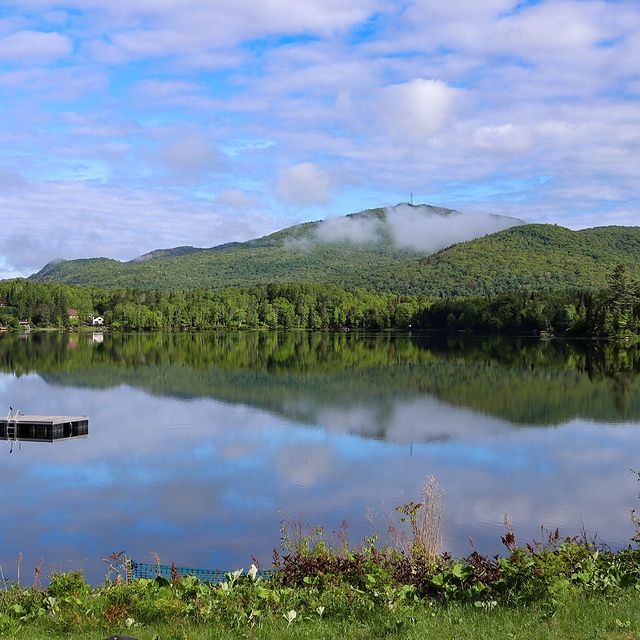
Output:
(364, 250)
(539, 257)
(393, 250)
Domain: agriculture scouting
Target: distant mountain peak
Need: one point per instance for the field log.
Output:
(431, 208)
(420, 228)
(372, 249)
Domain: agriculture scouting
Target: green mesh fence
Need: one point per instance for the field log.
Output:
(146, 570)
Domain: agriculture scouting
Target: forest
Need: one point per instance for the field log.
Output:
(295, 306)
(532, 257)
(611, 311)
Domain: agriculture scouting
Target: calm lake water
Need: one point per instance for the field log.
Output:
(198, 442)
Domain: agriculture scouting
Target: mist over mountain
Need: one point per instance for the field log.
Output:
(358, 250)
(420, 228)
(377, 251)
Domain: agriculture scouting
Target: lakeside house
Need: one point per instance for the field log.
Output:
(96, 321)
(72, 314)
(25, 326)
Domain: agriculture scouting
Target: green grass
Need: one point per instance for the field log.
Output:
(582, 618)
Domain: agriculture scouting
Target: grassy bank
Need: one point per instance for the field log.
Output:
(581, 616)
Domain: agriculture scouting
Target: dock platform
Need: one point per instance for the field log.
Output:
(43, 428)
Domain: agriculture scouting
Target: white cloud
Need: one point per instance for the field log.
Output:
(358, 230)
(552, 28)
(413, 227)
(544, 31)
(416, 109)
(26, 46)
(418, 228)
(236, 200)
(505, 138)
(30, 85)
(199, 32)
(166, 89)
(304, 184)
(516, 108)
(191, 156)
(74, 220)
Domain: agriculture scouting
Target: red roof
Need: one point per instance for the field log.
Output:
(72, 313)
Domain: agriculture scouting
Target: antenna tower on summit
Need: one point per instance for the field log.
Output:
(411, 198)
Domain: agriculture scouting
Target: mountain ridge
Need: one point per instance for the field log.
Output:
(269, 239)
(365, 251)
(369, 241)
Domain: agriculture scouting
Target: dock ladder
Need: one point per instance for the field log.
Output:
(12, 424)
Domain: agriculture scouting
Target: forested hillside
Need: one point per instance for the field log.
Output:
(535, 257)
(532, 257)
(377, 249)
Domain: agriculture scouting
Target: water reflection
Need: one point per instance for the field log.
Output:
(352, 383)
(197, 440)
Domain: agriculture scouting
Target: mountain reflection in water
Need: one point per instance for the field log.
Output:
(198, 439)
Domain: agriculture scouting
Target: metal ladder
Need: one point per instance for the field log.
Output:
(12, 425)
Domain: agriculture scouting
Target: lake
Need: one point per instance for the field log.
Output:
(199, 443)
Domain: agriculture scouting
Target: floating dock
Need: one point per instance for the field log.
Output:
(43, 428)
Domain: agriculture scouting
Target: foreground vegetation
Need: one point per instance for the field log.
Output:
(614, 617)
(325, 588)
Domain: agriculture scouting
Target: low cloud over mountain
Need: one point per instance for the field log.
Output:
(420, 228)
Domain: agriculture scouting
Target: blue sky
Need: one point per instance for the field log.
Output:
(127, 126)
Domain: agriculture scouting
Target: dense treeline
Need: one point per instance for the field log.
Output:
(269, 307)
(613, 311)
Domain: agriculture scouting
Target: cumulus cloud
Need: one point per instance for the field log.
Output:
(576, 26)
(236, 200)
(26, 46)
(198, 33)
(542, 31)
(191, 156)
(505, 138)
(416, 109)
(304, 184)
(74, 220)
(419, 228)
(522, 108)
